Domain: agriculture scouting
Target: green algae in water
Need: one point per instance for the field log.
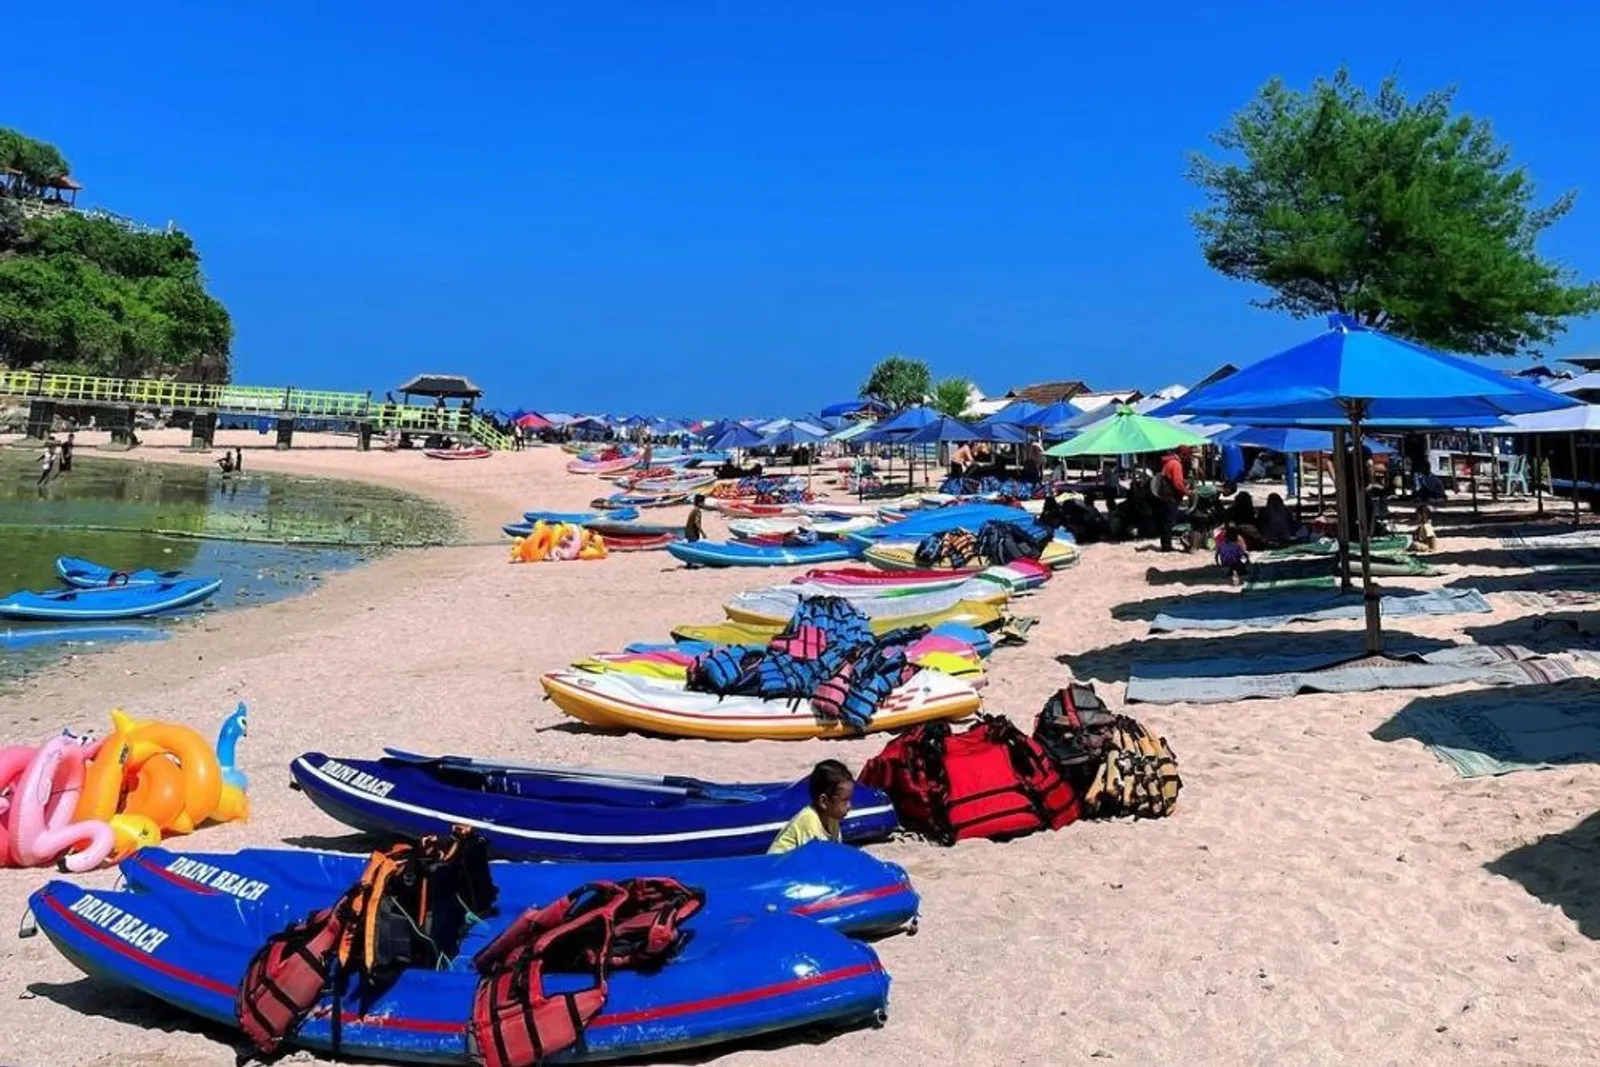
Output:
(266, 536)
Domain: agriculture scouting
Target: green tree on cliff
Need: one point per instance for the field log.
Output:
(93, 296)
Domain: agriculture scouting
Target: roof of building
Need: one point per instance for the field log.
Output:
(1048, 392)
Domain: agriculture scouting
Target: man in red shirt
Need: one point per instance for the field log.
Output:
(1170, 490)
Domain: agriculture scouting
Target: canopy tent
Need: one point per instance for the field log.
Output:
(532, 420)
(1365, 378)
(449, 386)
(1126, 433)
(1053, 415)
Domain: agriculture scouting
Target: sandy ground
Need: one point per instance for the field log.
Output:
(1321, 897)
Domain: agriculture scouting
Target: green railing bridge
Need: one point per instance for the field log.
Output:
(121, 396)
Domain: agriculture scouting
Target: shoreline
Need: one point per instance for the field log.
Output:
(1320, 895)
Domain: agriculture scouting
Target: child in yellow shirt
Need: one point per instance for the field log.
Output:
(831, 787)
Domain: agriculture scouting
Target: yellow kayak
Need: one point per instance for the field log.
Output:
(966, 613)
(903, 557)
(625, 702)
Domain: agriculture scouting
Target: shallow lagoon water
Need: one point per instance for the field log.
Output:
(267, 536)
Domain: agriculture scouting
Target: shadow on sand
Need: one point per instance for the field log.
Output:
(1561, 869)
(1113, 662)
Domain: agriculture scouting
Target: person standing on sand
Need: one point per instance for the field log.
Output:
(694, 529)
(1170, 490)
(47, 461)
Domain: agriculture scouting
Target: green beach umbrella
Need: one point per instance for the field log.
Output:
(1127, 433)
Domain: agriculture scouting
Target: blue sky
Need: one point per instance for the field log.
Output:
(738, 206)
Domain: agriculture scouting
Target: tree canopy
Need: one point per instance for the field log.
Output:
(898, 382)
(38, 164)
(92, 296)
(1401, 213)
(950, 396)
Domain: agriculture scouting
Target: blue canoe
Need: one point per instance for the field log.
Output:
(15, 640)
(582, 518)
(110, 602)
(567, 814)
(87, 574)
(738, 976)
(740, 554)
(938, 520)
(835, 885)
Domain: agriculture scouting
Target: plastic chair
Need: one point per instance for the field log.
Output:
(1517, 475)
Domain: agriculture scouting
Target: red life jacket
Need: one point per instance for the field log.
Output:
(990, 781)
(594, 929)
(407, 906)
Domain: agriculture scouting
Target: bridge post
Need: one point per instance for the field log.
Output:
(203, 431)
(41, 417)
(285, 433)
(119, 420)
(364, 436)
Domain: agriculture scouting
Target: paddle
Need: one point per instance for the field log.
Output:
(647, 783)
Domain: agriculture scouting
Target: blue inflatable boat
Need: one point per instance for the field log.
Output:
(740, 554)
(566, 813)
(87, 574)
(738, 976)
(835, 885)
(110, 602)
(582, 518)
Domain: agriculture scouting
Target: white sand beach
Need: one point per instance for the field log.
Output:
(1319, 897)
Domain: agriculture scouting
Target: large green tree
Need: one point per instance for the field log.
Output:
(1402, 213)
(95, 296)
(898, 382)
(950, 396)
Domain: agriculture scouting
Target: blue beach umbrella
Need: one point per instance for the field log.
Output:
(737, 436)
(1289, 439)
(1013, 412)
(796, 433)
(1352, 377)
(942, 429)
(1054, 415)
(1004, 433)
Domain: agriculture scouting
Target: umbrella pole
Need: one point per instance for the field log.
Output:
(1369, 594)
(1538, 468)
(1572, 446)
(1341, 509)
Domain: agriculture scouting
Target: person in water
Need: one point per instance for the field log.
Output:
(831, 787)
(66, 453)
(694, 529)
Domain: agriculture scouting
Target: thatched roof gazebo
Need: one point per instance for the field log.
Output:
(448, 386)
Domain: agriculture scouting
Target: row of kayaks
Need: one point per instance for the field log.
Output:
(773, 948)
(94, 593)
(946, 621)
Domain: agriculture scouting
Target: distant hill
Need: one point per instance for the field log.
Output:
(91, 292)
